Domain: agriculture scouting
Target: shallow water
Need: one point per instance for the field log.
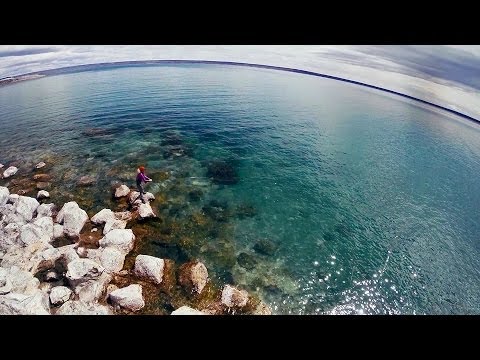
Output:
(373, 200)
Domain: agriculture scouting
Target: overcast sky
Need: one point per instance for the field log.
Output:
(445, 75)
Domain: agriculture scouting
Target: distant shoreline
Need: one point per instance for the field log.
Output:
(93, 67)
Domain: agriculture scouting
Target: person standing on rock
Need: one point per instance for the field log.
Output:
(141, 179)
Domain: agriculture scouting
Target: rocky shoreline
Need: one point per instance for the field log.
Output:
(58, 260)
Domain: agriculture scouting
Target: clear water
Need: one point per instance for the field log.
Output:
(374, 200)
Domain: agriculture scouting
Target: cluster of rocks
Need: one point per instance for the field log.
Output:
(38, 278)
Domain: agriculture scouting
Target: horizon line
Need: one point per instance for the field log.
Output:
(78, 68)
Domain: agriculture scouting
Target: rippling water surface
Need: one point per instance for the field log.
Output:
(317, 195)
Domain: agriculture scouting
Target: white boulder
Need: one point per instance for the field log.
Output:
(121, 191)
(45, 210)
(42, 194)
(122, 239)
(20, 304)
(112, 259)
(129, 297)
(145, 211)
(114, 224)
(81, 270)
(40, 165)
(187, 310)
(25, 206)
(92, 290)
(4, 193)
(77, 307)
(57, 231)
(102, 216)
(193, 276)
(59, 295)
(150, 268)
(72, 218)
(12, 170)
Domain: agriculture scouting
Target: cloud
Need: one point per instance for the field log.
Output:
(24, 52)
(445, 75)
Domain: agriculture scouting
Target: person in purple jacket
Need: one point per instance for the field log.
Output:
(141, 179)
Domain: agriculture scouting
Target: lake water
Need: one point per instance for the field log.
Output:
(321, 197)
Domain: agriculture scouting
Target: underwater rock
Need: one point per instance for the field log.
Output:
(262, 309)
(173, 139)
(42, 194)
(42, 185)
(129, 297)
(245, 211)
(246, 261)
(59, 295)
(40, 165)
(232, 297)
(12, 170)
(265, 247)
(150, 268)
(42, 177)
(46, 210)
(193, 276)
(186, 310)
(222, 173)
(4, 194)
(82, 270)
(216, 211)
(122, 190)
(72, 218)
(86, 180)
(195, 195)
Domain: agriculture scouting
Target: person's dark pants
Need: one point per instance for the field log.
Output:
(141, 191)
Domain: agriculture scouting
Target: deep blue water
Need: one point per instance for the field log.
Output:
(373, 199)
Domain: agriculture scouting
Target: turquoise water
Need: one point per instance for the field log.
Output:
(372, 200)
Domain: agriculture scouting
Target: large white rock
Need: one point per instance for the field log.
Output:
(12, 170)
(122, 239)
(57, 231)
(40, 165)
(134, 198)
(5, 283)
(112, 259)
(31, 233)
(193, 276)
(150, 268)
(77, 307)
(92, 290)
(35, 257)
(1, 166)
(145, 211)
(46, 210)
(4, 193)
(13, 198)
(129, 297)
(42, 194)
(114, 224)
(81, 270)
(25, 206)
(10, 236)
(46, 224)
(73, 218)
(232, 297)
(102, 216)
(20, 281)
(20, 304)
(68, 254)
(59, 295)
(121, 191)
(186, 310)
(7, 209)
